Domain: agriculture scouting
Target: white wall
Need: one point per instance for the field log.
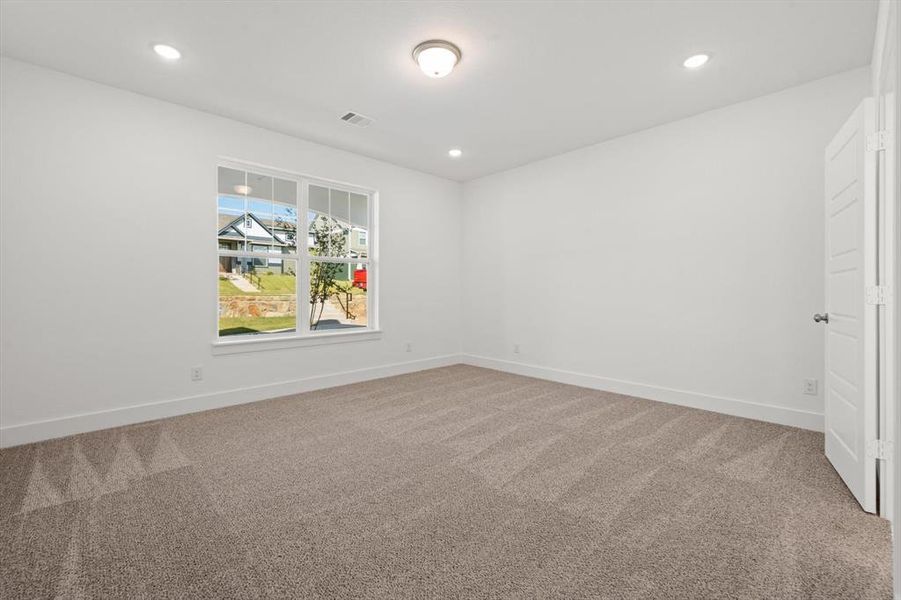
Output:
(107, 225)
(682, 263)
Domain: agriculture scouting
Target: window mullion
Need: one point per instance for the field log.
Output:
(303, 251)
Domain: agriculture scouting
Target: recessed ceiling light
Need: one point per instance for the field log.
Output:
(436, 58)
(166, 51)
(243, 189)
(696, 62)
(455, 153)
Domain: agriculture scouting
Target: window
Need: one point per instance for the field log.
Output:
(269, 287)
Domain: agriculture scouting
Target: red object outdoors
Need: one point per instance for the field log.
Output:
(360, 279)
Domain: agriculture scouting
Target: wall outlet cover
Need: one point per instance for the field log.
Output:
(811, 387)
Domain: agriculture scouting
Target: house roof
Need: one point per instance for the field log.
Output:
(225, 220)
(230, 229)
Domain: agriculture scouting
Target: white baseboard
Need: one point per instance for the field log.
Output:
(730, 406)
(27, 433)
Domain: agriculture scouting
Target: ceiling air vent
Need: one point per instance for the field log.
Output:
(357, 119)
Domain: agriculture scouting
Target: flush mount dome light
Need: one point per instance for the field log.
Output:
(455, 153)
(243, 189)
(436, 58)
(696, 62)
(166, 51)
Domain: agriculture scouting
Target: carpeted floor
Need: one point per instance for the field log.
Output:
(451, 483)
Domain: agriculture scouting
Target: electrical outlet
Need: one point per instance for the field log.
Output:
(196, 373)
(409, 347)
(515, 348)
(811, 387)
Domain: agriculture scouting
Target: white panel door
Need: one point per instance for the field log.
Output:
(851, 342)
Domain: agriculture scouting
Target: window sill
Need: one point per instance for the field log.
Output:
(222, 347)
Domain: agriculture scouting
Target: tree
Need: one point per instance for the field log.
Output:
(328, 234)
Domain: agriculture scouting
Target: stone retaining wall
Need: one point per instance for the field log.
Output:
(258, 306)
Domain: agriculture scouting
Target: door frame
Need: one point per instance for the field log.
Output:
(886, 74)
(888, 257)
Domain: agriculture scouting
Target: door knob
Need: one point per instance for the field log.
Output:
(824, 317)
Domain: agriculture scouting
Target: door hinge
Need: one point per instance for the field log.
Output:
(880, 450)
(878, 140)
(878, 294)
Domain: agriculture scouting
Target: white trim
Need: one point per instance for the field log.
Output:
(729, 406)
(26, 433)
(888, 327)
(885, 79)
(373, 268)
(262, 342)
(880, 41)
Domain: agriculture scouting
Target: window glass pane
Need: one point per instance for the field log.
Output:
(359, 211)
(257, 296)
(231, 209)
(319, 221)
(230, 180)
(330, 223)
(284, 210)
(231, 220)
(359, 222)
(260, 218)
(339, 203)
(359, 243)
(338, 296)
(319, 199)
(340, 239)
(257, 213)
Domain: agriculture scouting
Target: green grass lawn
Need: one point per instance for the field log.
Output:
(273, 285)
(269, 285)
(237, 325)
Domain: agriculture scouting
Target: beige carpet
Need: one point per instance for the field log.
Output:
(451, 483)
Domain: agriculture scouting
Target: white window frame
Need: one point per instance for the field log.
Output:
(303, 335)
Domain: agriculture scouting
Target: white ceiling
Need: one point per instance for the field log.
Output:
(536, 79)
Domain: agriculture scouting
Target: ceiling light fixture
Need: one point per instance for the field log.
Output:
(166, 51)
(455, 153)
(436, 58)
(243, 189)
(696, 62)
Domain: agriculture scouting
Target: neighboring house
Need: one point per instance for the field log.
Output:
(359, 242)
(248, 232)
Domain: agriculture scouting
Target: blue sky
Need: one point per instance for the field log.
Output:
(264, 209)
(234, 205)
